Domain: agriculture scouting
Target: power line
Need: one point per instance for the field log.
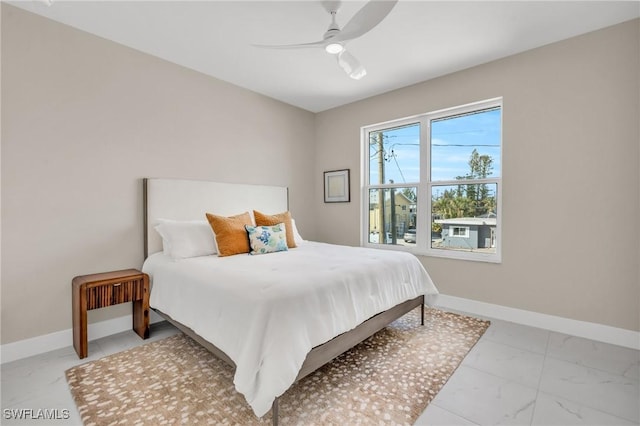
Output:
(446, 144)
(398, 166)
(452, 144)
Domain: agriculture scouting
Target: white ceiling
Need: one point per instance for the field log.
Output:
(417, 41)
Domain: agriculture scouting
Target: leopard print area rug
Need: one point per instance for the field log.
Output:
(387, 379)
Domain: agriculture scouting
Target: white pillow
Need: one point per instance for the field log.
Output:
(296, 235)
(186, 238)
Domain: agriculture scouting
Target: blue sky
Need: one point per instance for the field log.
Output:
(453, 141)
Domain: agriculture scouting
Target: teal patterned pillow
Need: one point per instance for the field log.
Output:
(267, 239)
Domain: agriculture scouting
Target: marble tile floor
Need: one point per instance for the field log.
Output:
(515, 375)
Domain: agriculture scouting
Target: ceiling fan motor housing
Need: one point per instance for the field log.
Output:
(333, 29)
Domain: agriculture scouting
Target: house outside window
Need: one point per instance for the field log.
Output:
(439, 174)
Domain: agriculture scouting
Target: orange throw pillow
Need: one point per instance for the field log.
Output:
(274, 219)
(231, 236)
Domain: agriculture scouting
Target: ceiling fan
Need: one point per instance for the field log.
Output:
(334, 39)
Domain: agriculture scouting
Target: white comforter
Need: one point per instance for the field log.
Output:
(267, 312)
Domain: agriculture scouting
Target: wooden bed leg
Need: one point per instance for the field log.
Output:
(422, 314)
(274, 412)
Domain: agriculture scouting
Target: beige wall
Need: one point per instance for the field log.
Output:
(571, 205)
(83, 120)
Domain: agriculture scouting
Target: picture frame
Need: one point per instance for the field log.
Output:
(336, 186)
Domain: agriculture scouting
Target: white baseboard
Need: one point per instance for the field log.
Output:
(588, 330)
(61, 339)
(602, 333)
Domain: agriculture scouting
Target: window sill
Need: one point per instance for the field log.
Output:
(446, 254)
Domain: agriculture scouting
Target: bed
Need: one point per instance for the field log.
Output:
(275, 317)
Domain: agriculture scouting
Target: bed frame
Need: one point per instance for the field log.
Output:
(189, 199)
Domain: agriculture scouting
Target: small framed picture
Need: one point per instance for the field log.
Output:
(336, 186)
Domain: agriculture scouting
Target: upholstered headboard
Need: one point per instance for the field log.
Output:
(182, 199)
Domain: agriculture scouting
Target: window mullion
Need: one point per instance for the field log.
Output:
(423, 220)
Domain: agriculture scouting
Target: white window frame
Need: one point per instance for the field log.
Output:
(453, 235)
(424, 187)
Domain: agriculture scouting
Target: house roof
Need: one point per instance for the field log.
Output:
(469, 221)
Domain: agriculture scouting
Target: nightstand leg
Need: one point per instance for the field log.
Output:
(141, 312)
(79, 301)
(140, 319)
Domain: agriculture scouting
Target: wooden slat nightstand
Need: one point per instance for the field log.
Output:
(105, 289)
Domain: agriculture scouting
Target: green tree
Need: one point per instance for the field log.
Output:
(471, 199)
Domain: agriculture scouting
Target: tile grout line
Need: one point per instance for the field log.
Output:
(544, 362)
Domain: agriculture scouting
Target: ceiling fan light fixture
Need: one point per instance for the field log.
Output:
(351, 65)
(358, 73)
(334, 48)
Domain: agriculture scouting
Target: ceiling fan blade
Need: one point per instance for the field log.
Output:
(351, 65)
(365, 19)
(320, 43)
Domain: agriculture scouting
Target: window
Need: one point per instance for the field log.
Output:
(440, 174)
(460, 231)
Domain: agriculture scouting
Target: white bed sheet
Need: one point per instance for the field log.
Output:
(266, 312)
